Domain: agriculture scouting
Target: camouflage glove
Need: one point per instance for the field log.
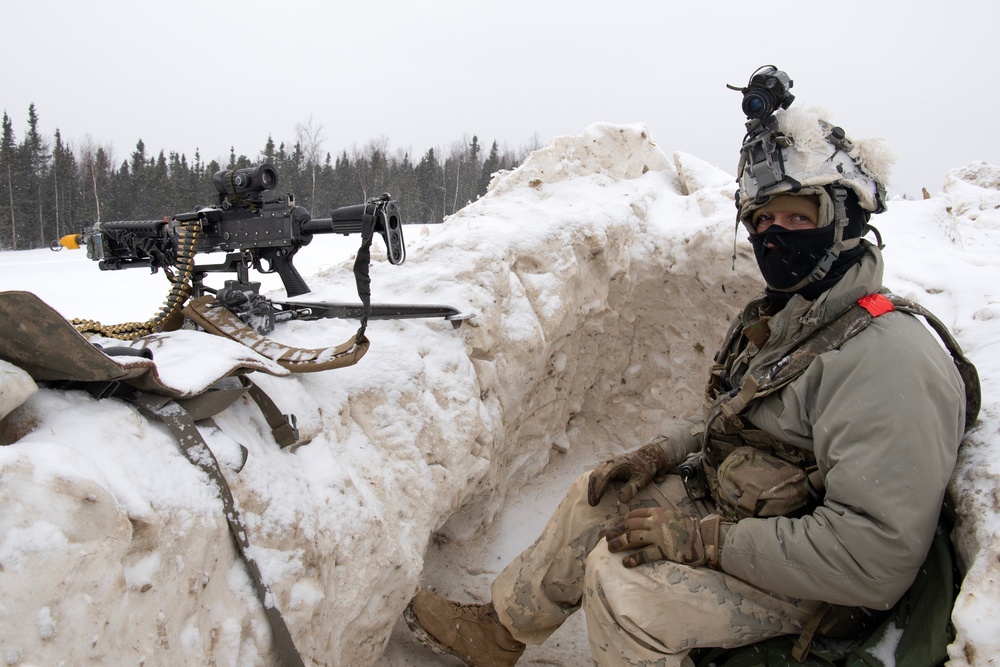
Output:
(666, 534)
(637, 469)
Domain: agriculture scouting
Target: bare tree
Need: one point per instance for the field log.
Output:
(378, 154)
(90, 156)
(309, 136)
(362, 168)
(88, 149)
(370, 164)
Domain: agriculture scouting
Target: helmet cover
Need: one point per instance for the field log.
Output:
(814, 155)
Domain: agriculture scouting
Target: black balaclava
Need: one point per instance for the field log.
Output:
(796, 254)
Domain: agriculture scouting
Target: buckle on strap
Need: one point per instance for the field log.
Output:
(734, 406)
(284, 427)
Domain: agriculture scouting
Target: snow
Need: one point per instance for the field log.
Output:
(885, 650)
(600, 277)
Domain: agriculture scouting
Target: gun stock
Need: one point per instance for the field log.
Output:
(381, 213)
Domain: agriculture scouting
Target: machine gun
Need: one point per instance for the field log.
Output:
(260, 228)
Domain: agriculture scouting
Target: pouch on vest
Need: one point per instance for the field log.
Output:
(753, 483)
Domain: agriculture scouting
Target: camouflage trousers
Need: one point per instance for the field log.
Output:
(653, 614)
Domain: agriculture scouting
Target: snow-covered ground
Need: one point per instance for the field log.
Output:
(600, 277)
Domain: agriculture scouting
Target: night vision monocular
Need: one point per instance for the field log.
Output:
(766, 92)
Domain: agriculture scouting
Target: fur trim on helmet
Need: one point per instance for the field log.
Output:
(808, 133)
(816, 154)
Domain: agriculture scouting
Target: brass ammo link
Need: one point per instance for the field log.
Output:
(180, 290)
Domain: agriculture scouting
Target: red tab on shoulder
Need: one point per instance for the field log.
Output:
(876, 304)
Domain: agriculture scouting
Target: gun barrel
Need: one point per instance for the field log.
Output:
(121, 244)
(145, 227)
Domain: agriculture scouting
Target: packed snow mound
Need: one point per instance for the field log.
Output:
(981, 174)
(615, 151)
(600, 276)
(971, 201)
(975, 191)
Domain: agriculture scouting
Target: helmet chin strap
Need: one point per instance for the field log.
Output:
(825, 263)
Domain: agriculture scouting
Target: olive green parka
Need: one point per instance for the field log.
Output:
(883, 416)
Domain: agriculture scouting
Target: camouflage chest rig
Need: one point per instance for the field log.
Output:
(748, 472)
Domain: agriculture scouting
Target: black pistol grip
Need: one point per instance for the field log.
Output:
(281, 263)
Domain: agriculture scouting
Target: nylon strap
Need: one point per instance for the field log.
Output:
(224, 393)
(970, 376)
(804, 642)
(180, 423)
(283, 426)
(361, 275)
(214, 318)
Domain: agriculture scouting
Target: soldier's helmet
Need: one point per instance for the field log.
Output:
(796, 152)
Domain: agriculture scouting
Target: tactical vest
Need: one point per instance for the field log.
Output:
(748, 472)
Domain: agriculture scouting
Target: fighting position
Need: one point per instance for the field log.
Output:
(803, 500)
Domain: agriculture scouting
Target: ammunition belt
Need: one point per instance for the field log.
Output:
(170, 316)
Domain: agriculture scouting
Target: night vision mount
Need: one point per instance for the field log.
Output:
(767, 91)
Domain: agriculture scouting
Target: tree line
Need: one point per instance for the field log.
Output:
(49, 189)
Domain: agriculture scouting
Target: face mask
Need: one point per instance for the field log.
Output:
(794, 255)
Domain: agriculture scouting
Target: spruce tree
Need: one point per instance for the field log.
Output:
(160, 198)
(345, 184)
(135, 187)
(64, 188)
(8, 157)
(103, 178)
(470, 184)
(490, 166)
(429, 185)
(34, 160)
(267, 155)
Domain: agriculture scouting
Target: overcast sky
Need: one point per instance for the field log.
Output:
(185, 75)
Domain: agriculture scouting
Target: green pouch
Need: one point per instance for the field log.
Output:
(753, 483)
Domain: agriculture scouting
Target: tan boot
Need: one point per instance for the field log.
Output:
(471, 632)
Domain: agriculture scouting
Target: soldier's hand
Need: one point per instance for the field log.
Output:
(637, 469)
(660, 533)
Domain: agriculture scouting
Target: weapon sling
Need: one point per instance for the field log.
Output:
(181, 422)
(210, 315)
